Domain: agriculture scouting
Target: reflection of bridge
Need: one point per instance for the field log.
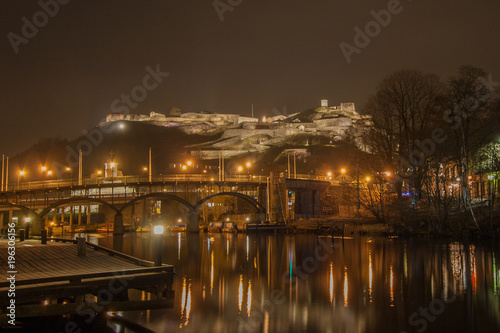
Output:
(110, 198)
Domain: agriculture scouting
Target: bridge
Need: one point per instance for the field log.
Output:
(135, 201)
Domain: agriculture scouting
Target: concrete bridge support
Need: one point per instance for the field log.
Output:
(119, 229)
(193, 223)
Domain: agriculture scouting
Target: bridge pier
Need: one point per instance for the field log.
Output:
(193, 223)
(118, 228)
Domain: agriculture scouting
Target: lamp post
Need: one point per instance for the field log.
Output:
(21, 173)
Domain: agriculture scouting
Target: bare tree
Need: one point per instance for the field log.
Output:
(468, 112)
(403, 109)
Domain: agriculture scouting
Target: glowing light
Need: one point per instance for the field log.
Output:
(249, 298)
(99, 172)
(329, 174)
(391, 285)
(346, 288)
(21, 173)
(184, 167)
(44, 168)
(211, 273)
(331, 283)
(342, 170)
(189, 163)
(183, 297)
(112, 165)
(248, 164)
(370, 276)
(49, 172)
(158, 229)
(367, 179)
(145, 169)
(240, 168)
(240, 293)
(264, 119)
(179, 246)
(68, 169)
(387, 173)
(188, 305)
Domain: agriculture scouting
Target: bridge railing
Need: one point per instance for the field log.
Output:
(124, 180)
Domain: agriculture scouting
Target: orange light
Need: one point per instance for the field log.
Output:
(248, 164)
(189, 163)
(388, 173)
(44, 168)
(145, 169)
(343, 170)
(329, 174)
(99, 172)
(367, 179)
(240, 168)
(21, 173)
(469, 177)
(68, 168)
(184, 167)
(49, 172)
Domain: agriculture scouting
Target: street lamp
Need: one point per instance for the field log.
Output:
(21, 173)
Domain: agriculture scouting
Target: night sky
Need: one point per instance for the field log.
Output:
(272, 53)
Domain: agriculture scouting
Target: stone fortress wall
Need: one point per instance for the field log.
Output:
(242, 134)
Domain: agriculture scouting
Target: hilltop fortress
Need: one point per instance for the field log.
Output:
(241, 134)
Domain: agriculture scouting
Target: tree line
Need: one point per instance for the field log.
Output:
(429, 144)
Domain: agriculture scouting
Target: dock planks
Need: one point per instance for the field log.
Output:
(54, 271)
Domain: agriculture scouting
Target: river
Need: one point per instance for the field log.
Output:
(305, 283)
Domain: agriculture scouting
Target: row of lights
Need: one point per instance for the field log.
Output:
(43, 169)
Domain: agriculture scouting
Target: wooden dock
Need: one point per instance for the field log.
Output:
(51, 280)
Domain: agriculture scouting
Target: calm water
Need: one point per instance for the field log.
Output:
(304, 283)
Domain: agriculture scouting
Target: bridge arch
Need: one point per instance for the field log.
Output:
(46, 210)
(21, 207)
(250, 200)
(158, 195)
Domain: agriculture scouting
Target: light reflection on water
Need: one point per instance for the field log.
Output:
(283, 283)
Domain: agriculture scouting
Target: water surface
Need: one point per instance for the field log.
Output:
(305, 283)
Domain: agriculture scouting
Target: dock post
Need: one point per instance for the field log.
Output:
(157, 235)
(158, 250)
(43, 234)
(21, 235)
(81, 246)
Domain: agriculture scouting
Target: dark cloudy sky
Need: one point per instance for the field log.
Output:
(272, 53)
